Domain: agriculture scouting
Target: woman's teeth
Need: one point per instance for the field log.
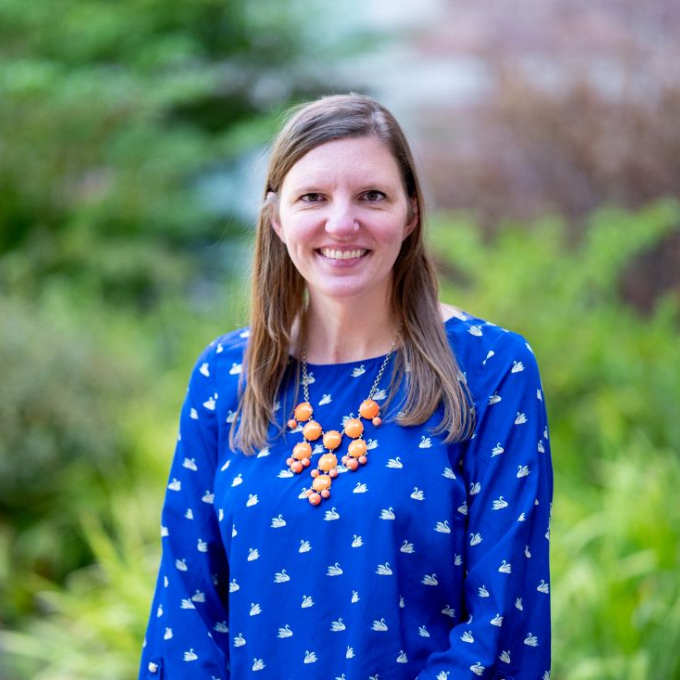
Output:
(342, 254)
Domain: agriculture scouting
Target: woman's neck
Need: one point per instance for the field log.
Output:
(346, 330)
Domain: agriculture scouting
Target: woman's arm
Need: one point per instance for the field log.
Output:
(508, 472)
(187, 631)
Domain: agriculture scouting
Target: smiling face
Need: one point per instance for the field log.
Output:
(343, 214)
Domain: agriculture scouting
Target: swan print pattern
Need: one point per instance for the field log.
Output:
(429, 562)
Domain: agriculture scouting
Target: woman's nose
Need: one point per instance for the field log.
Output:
(342, 219)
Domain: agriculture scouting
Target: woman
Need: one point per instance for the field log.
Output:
(362, 484)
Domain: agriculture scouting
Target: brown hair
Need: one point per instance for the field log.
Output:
(424, 361)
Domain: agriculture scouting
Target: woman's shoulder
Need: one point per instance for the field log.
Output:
(224, 354)
(484, 347)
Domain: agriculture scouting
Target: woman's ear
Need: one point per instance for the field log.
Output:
(272, 206)
(413, 217)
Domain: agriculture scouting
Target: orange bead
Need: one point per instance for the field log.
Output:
(311, 431)
(305, 462)
(289, 461)
(303, 411)
(352, 464)
(332, 439)
(321, 482)
(368, 409)
(333, 473)
(302, 450)
(315, 473)
(344, 460)
(363, 460)
(328, 461)
(377, 421)
(292, 423)
(353, 427)
(357, 448)
(296, 467)
(315, 499)
(326, 493)
(309, 492)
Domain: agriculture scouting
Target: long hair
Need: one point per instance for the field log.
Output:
(424, 360)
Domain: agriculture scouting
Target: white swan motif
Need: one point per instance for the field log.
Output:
(285, 474)
(181, 564)
(497, 450)
(449, 473)
(175, 485)
(235, 369)
(430, 580)
(356, 372)
(258, 664)
(208, 497)
(168, 634)
(233, 586)
(387, 514)
(190, 464)
(349, 654)
(497, 620)
(522, 518)
(467, 636)
(331, 515)
(423, 632)
(395, 463)
(334, 570)
(527, 552)
(221, 627)
(325, 399)
(355, 597)
(543, 587)
(520, 418)
(379, 625)
(193, 414)
(402, 658)
(477, 668)
(523, 471)
(517, 367)
(231, 416)
(380, 395)
(239, 640)
(425, 442)
(307, 601)
(205, 369)
(164, 531)
(202, 546)
(442, 675)
(225, 466)
(189, 514)
(255, 609)
(407, 547)
(443, 527)
(371, 444)
(518, 604)
(210, 404)
(357, 541)
(285, 632)
(253, 554)
(305, 546)
(476, 331)
(237, 480)
(499, 504)
(448, 611)
(475, 488)
(187, 604)
(475, 539)
(531, 640)
(278, 522)
(360, 488)
(541, 448)
(483, 592)
(463, 509)
(263, 453)
(318, 448)
(337, 626)
(457, 560)
(494, 399)
(198, 596)
(384, 569)
(233, 531)
(505, 656)
(539, 395)
(309, 380)
(190, 655)
(281, 576)
(505, 568)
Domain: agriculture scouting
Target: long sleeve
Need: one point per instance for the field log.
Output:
(507, 467)
(187, 635)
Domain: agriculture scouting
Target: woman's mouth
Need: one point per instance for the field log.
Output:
(334, 254)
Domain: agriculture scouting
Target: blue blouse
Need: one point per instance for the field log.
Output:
(429, 562)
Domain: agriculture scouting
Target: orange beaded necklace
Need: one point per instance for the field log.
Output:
(327, 466)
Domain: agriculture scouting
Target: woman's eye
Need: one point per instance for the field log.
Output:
(311, 198)
(374, 195)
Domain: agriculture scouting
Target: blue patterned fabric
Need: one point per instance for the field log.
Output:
(429, 562)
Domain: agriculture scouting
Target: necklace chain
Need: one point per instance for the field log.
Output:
(376, 382)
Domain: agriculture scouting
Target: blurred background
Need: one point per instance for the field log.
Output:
(133, 140)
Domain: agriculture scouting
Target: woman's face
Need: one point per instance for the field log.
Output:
(343, 214)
